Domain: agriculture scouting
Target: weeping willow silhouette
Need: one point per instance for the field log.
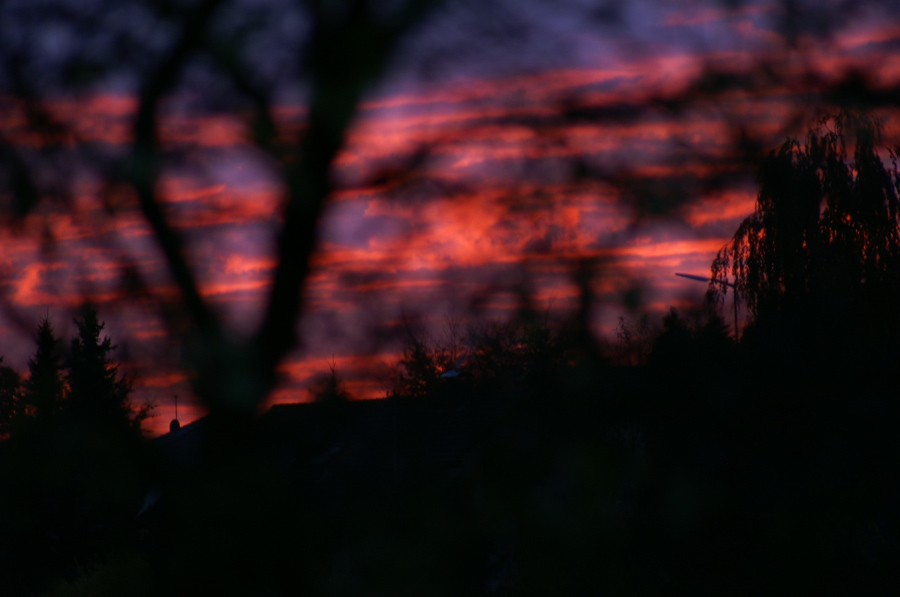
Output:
(823, 242)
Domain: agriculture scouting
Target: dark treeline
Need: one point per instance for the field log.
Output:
(70, 458)
(680, 460)
(517, 458)
(81, 381)
(677, 460)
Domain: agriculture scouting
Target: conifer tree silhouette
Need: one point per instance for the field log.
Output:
(44, 390)
(95, 387)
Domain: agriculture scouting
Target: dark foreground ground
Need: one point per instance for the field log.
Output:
(595, 479)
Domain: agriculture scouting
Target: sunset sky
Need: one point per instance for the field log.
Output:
(480, 162)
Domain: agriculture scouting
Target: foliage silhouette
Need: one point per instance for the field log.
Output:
(634, 340)
(554, 497)
(95, 389)
(10, 399)
(72, 466)
(514, 353)
(418, 372)
(691, 346)
(823, 242)
(497, 355)
(817, 264)
(329, 387)
(44, 390)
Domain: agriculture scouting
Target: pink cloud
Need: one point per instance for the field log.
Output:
(691, 15)
(476, 206)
